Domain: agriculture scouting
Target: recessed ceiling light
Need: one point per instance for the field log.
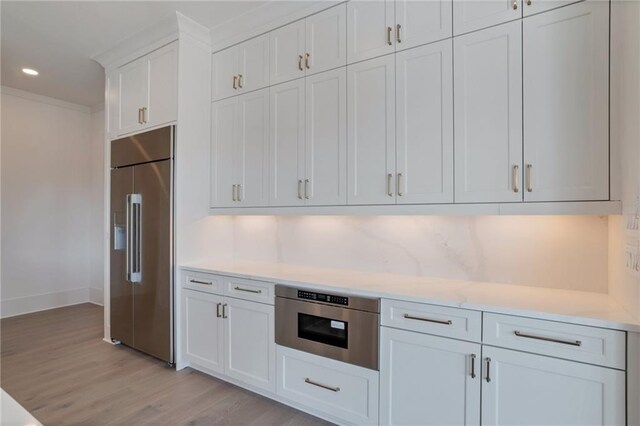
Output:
(29, 71)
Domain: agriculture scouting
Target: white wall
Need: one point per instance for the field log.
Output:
(48, 195)
(624, 236)
(568, 252)
(96, 282)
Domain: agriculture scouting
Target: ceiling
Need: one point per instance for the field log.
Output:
(58, 38)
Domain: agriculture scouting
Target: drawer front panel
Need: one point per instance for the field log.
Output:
(575, 342)
(257, 291)
(202, 282)
(344, 391)
(442, 321)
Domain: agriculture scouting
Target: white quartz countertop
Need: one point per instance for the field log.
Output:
(576, 307)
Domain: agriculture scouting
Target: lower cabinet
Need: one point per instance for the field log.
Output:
(522, 388)
(230, 336)
(428, 380)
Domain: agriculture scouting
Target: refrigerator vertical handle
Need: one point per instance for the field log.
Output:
(128, 238)
(135, 265)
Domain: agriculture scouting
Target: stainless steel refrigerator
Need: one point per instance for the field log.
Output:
(142, 242)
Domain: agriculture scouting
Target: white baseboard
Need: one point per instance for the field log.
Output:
(42, 302)
(96, 295)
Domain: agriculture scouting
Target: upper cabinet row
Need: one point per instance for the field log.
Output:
(353, 32)
(143, 93)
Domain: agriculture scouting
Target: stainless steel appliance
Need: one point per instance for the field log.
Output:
(337, 326)
(142, 242)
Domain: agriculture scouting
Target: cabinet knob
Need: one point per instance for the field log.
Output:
(515, 4)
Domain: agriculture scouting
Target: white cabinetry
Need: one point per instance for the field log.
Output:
(308, 140)
(471, 15)
(428, 380)
(566, 114)
(203, 332)
(308, 46)
(239, 150)
(423, 21)
(146, 91)
(240, 69)
(522, 388)
(488, 114)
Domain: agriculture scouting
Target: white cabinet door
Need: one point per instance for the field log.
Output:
(422, 21)
(326, 40)
(111, 104)
(326, 138)
(203, 336)
(253, 64)
(528, 389)
(566, 92)
(163, 86)
(371, 131)
(424, 115)
(471, 15)
(428, 380)
(287, 144)
(287, 49)
(532, 7)
(249, 342)
(488, 114)
(225, 71)
(133, 94)
(370, 29)
(251, 159)
(223, 138)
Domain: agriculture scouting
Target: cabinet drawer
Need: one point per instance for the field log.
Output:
(257, 291)
(575, 342)
(340, 390)
(202, 282)
(442, 321)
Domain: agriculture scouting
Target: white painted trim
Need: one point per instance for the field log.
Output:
(599, 208)
(42, 302)
(5, 90)
(261, 20)
(96, 295)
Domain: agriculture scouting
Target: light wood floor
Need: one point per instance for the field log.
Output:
(55, 364)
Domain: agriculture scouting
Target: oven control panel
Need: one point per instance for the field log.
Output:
(321, 297)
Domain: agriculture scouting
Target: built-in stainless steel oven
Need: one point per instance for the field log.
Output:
(338, 326)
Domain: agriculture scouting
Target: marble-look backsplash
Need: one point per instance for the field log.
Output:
(568, 252)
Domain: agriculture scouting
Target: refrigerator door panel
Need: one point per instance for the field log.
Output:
(153, 295)
(121, 290)
(149, 146)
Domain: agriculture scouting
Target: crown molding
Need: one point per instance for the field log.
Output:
(151, 38)
(6, 90)
(261, 20)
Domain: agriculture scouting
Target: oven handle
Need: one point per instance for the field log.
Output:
(320, 385)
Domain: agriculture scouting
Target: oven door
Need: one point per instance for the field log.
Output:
(339, 333)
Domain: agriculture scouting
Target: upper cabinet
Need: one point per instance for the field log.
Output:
(566, 114)
(376, 28)
(241, 68)
(309, 46)
(143, 93)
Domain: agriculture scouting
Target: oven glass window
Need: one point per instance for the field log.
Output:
(323, 330)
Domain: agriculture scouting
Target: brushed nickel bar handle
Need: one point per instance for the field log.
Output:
(248, 290)
(389, 35)
(398, 27)
(488, 378)
(306, 189)
(139, 115)
(515, 178)
(473, 366)
(400, 182)
(443, 322)
(306, 60)
(235, 82)
(129, 236)
(240, 192)
(320, 385)
(224, 311)
(389, 184)
(218, 309)
(144, 115)
(528, 177)
(515, 4)
(300, 63)
(300, 189)
(200, 282)
(239, 81)
(233, 192)
(548, 339)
